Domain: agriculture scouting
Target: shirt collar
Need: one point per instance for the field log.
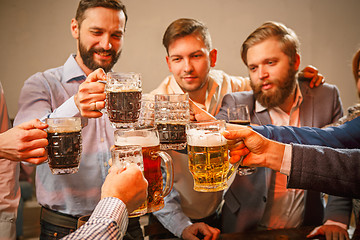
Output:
(297, 102)
(72, 70)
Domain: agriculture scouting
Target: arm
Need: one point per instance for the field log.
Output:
(45, 96)
(171, 216)
(122, 192)
(336, 170)
(25, 142)
(343, 136)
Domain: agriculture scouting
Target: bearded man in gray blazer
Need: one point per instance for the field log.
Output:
(261, 200)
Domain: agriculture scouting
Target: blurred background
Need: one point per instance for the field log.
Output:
(36, 36)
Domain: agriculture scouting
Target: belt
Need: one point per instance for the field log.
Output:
(58, 219)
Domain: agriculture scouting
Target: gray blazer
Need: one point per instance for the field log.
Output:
(246, 199)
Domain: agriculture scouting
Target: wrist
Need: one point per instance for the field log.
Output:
(275, 155)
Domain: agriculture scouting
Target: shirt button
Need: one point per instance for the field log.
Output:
(264, 198)
(102, 139)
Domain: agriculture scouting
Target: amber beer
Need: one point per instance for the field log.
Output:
(208, 163)
(208, 155)
(64, 148)
(148, 138)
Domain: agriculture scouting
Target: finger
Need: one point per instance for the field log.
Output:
(36, 160)
(98, 74)
(32, 142)
(313, 233)
(33, 124)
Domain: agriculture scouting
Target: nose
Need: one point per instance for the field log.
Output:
(188, 66)
(105, 43)
(263, 73)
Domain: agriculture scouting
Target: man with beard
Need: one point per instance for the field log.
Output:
(261, 200)
(191, 60)
(73, 90)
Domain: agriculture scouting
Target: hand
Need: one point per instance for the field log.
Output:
(25, 142)
(310, 73)
(331, 232)
(259, 151)
(198, 114)
(128, 185)
(190, 232)
(90, 97)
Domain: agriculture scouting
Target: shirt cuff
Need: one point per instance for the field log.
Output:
(114, 209)
(286, 161)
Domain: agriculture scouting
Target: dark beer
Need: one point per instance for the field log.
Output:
(64, 150)
(171, 132)
(123, 106)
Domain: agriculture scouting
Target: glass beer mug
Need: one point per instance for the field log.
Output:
(148, 139)
(208, 156)
(64, 148)
(172, 113)
(123, 98)
(123, 156)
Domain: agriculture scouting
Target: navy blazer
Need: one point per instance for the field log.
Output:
(246, 198)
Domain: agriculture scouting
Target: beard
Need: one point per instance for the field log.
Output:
(279, 94)
(88, 57)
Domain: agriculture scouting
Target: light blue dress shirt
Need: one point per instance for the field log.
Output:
(50, 94)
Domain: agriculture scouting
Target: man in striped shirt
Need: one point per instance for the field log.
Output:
(122, 192)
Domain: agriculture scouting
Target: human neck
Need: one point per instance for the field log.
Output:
(81, 64)
(199, 96)
(289, 102)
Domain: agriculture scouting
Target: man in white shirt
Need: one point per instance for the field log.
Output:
(190, 58)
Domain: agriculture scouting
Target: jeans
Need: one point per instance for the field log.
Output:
(53, 232)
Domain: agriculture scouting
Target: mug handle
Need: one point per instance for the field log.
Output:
(169, 168)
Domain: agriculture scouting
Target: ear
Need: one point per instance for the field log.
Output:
(213, 57)
(168, 63)
(297, 62)
(74, 28)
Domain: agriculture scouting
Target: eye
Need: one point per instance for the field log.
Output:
(252, 68)
(96, 33)
(175, 59)
(271, 62)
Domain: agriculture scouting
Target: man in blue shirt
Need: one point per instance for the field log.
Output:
(73, 90)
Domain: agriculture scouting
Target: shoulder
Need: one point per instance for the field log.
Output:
(324, 88)
(237, 83)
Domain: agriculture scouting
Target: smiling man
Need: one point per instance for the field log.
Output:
(73, 90)
(261, 200)
(191, 58)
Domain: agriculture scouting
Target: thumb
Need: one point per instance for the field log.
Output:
(98, 74)
(314, 232)
(33, 124)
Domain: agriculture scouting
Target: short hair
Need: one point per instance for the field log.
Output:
(86, 4)
(290, 44)
(355, 65)
(183, 27)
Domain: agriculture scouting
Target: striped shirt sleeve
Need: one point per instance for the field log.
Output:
(108, 221)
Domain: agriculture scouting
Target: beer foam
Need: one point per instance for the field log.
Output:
(204, 138)
(65, 125)
(136, 140)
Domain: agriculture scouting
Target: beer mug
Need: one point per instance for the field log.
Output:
(123, 156)
(208, 156)
(172, 113)
(64, 149)
(123, 98)
(239, 114)
(147, 111)
(148, 138)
